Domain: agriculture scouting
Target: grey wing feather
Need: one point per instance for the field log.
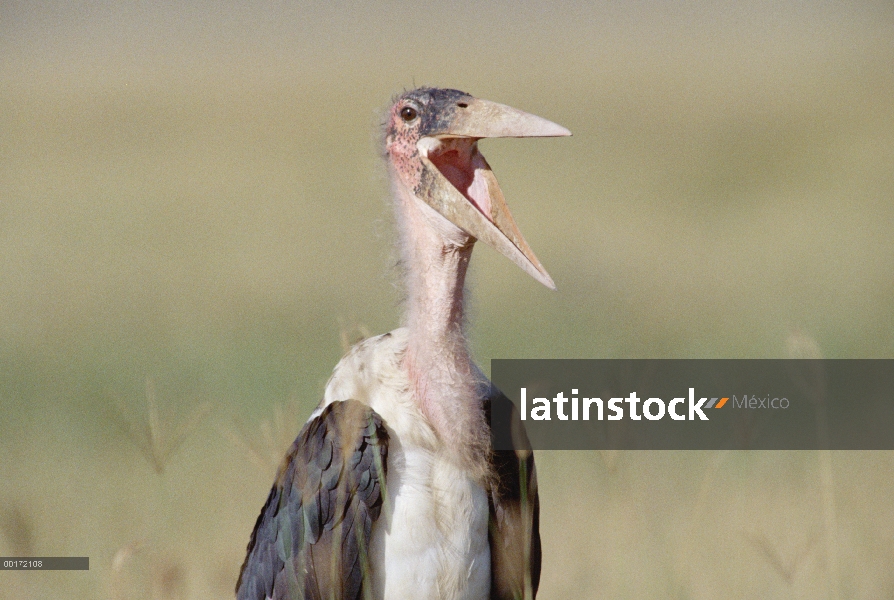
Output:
(514, 506)
(311, 539)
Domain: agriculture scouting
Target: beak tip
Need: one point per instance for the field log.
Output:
(544, 278)
(563, 132)
(547, 129)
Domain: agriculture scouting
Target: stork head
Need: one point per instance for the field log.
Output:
(431, 139)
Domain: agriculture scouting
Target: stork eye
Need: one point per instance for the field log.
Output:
(408, 113)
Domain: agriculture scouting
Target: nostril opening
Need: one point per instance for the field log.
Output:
(462, 105)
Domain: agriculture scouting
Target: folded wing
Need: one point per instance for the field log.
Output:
(514, 506)
(311, 539)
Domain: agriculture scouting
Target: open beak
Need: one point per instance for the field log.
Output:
(458, 183)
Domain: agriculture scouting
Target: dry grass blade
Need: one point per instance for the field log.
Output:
(156, 441)
(17, 527)
(351, 333)
(610, 459)
(138, 435)
(186, 426)
(802, 345)
(153, 439)
(120, 586)
(124, 554)
(267, 450)
(169, 580)
(787, 569)
(239, 440)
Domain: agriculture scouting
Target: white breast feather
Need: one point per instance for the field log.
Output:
(431, 540)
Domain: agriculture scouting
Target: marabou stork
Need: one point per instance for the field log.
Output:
(393, 489)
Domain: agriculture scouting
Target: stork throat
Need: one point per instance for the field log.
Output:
(460, 162)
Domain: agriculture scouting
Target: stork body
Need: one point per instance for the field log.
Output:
(432, 535)
(393, 490)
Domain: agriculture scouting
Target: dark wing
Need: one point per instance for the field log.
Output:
(514, 506)
(311, 539)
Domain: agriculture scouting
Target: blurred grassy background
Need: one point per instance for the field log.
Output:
(193, 210)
